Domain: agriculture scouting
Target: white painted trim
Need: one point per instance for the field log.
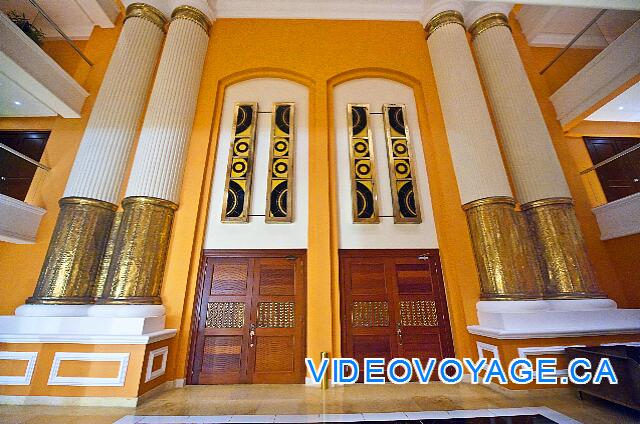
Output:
(486, 347)
(56, 380)
(88, 339)
(622, 343)
(525, 352)
(608, 71)
(69, 401)
(19, 380)
(619, 218)
(150, 375)
(20, 221)
(548, 334)
(101, 12)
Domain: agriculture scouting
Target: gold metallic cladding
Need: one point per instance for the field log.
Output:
(140, 251)
(562, 254)
(488, 21)
(504, 254)
(192, 14)
(99, 289)
(268, 217)
(146, 12)
(75, 252)
(398, 218)
(442, 19)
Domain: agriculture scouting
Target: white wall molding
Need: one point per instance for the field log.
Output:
(19, 221)
(486, 347)
(526, 352)
(89, 339)
(119, 380)
(611, 69)
(151, 373)
(101, 12)
(619, 218)
(19, 380)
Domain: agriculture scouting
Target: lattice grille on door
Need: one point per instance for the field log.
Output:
(370, 314)
(225, 315)
(276, 315)
(418, 313)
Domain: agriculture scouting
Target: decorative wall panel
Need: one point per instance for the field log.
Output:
(364, 192)
(370, 314)
(225, 315)
(406, 207)
(418, 313)
(279, 207)
(276, 314)
(240, 166)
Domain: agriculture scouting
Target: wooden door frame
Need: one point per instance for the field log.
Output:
(237, 253)
(448, 349)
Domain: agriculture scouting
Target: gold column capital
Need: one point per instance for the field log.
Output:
(488, 21)
(442, 19)
(192, 14)
(146, 12)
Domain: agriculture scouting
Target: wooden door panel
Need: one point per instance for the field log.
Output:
(250, 323)
(404, 316)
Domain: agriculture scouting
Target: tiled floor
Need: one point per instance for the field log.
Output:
(277, 401)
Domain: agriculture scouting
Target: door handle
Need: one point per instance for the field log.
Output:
(290, 258)
(399, 333)
(252, 334)
(423, 257)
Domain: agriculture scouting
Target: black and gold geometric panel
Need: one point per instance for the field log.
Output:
(279, 207)
(364, 191)
(235, 207)
(406, 207)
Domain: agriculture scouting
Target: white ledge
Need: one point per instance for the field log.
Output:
(619, 218)
(19, 221)
(144, 339)
(28, 66)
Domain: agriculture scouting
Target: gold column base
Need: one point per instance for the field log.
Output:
(99, 289)
(140, 251)
(504, 254)
(562, 254)
(75, 252)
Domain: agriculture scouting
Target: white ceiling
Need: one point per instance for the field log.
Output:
(557, 26)
(625, 107)
(16, 101)
(76, 17)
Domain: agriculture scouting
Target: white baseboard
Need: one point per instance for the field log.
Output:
(68, 401)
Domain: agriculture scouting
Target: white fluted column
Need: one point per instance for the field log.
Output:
(136, 269)
(89, 203)
(539, 182)
(503, 255)
(99, 166)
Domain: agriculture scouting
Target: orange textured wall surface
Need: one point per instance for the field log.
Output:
(617, 273)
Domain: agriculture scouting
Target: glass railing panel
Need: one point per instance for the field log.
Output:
(604, 28)
(614, 178)
(37, 19)
(22, 176)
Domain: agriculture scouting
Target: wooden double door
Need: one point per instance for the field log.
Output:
(393, 305)
(249, 323)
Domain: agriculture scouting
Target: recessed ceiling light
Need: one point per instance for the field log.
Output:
(17, 103)
(620, 107)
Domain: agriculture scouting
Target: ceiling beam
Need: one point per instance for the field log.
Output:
(596, 4)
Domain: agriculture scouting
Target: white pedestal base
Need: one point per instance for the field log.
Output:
(88, 324)
(553, 318)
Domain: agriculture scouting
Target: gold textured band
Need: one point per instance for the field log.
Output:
(147, 12)
(192, 14)
(140, 251)
(442, 19)
(488, 21)
(99, 289)
(562, 254)
(75, 252)
(504, 254)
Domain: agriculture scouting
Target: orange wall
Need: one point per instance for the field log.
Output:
(20, 264)
(320, 55)
(64, 54)
(564, 68)
(616, 270)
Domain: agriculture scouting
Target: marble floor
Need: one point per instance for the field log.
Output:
(300, 399)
